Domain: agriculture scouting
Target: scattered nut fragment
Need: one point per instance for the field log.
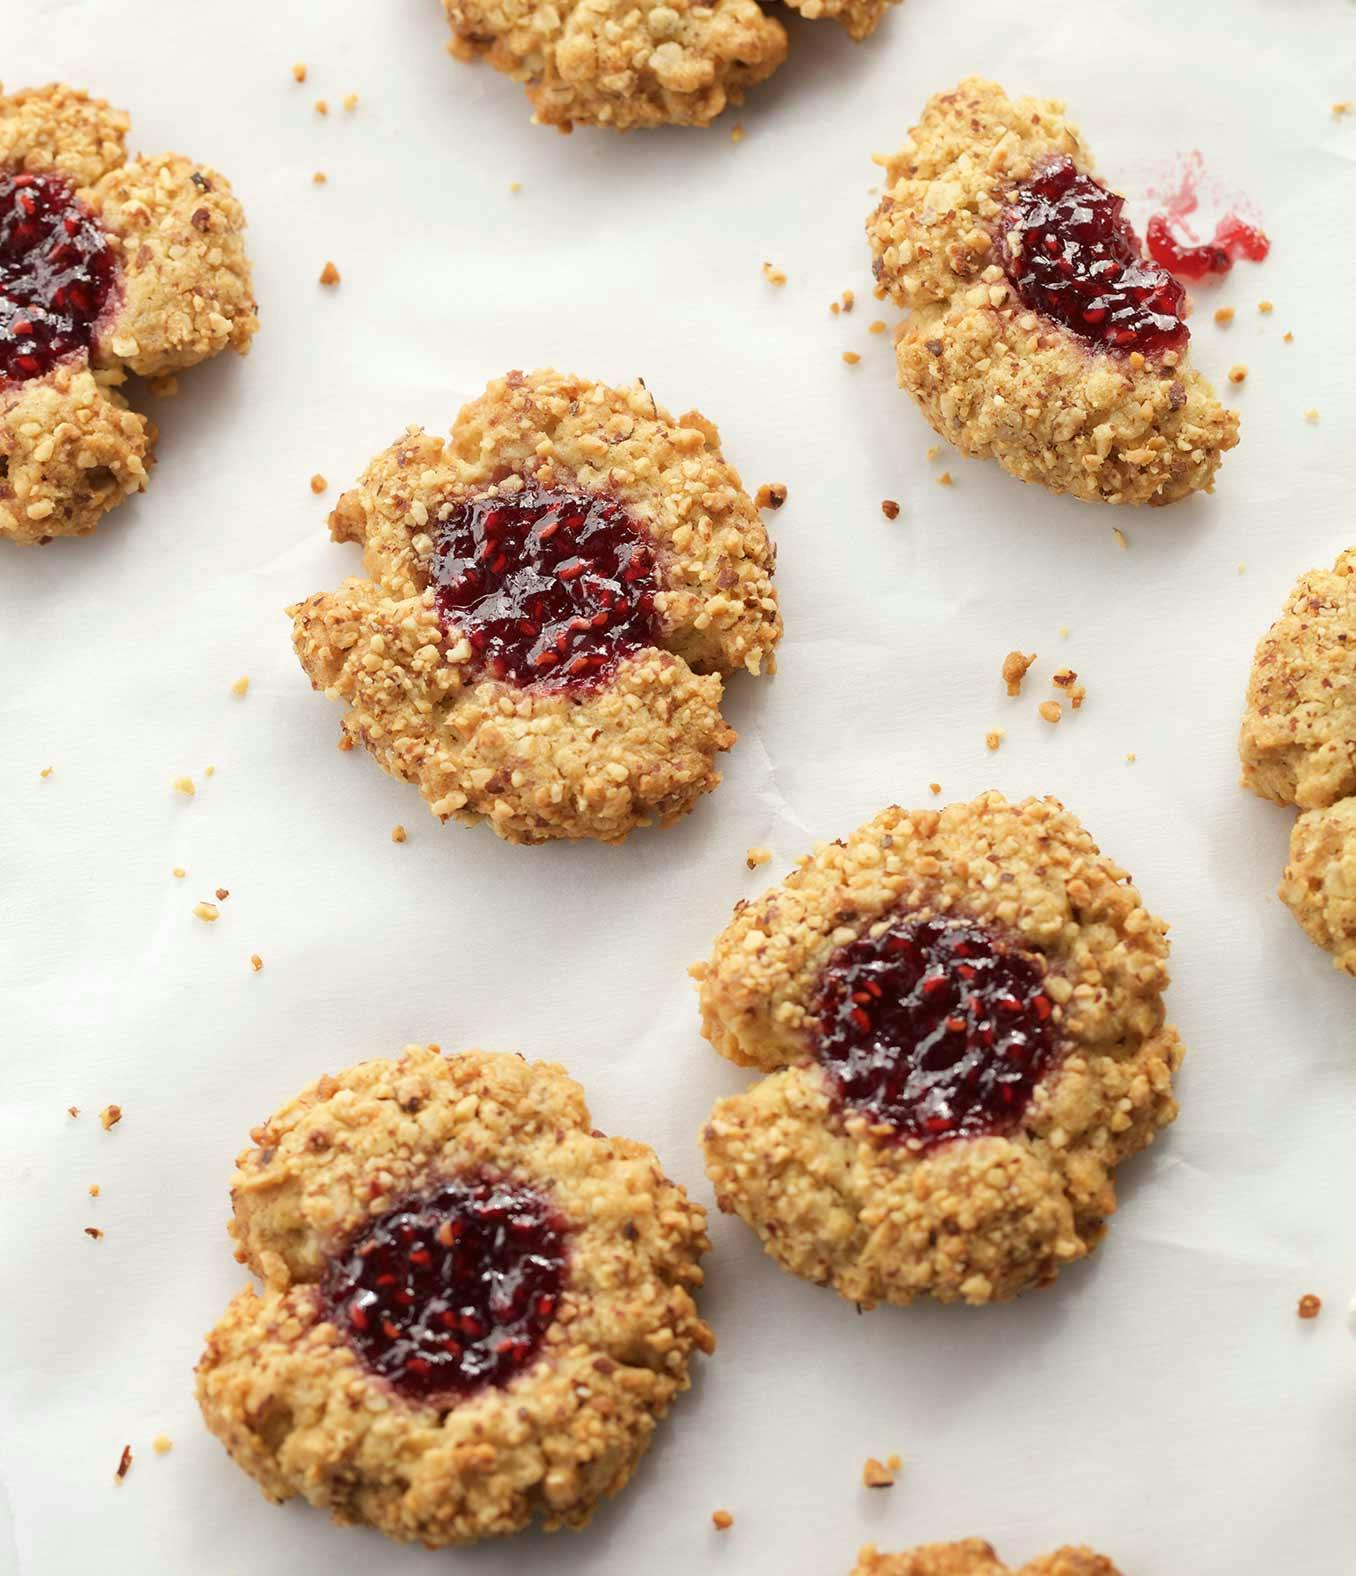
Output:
(889, 508)
(241, 686)
(757, 856)
(397, 834)
(93, 1233)
(934, 451)
(1130, 759)
(124, 1463)
(736, 133)
(94, 1190)
(993, 738)
(1288, 338)
(1238, 374)
(1050, 711)
(878, 327)
(184, 785)
(944, 480)
(179, 872)
(1311, 416)
(875, 1474)
(1067, 680)
(350, 101)
(1309, 1306)
(1015, 666)
(222, 893)
(321, 107)
(851, 357)
(849, 300)
(514, 188)
(1342, 107)
(774, 276)
(771, 495)
(207, 912)
(110, 1116)
(319, 178)
(162, 1444)
(209, 771)
(1122, 541)
(1063, 631)
(299, 72)
(722, 1520)
(318, 483)
(934, 788)
(1224, 316)
(72, 1110)
(256, 962)
(45, 772)
(1266, 306)
(329, 275)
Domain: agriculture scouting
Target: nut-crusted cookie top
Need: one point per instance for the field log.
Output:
(455, 540)
(975, 1557)
(106, 266)
(625, 65)
(289, 1380)
(1298, 739)
(996, 377)
(1010, 918)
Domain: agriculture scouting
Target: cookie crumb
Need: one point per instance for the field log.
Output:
(256, 962)
(184, 785)
(124, 1463)
(771, 495)
(993, 738)
(350, 101)
(1288, 338)
(162, 1444)
(736, 133)
(894, 1462)
(209, 771)
(889, 508)
(875, 1474)
(321, 107)
(110, 1116)
(722, 1520)
(944, 480)
(45, 772)
(934, 788)
(318, 483)
(835, 307)
(299, 72)
(1015, 666)
(934, 451)
(1122, 541)
(757, 856)
(94, 1190)
(1238, 374)
(207, 912)
(1342, 107)
(1266, 306)
(1311, 416)
(1050, 711)
(72, 1110)
(1224, 316)
(319, 178)
(1063, 631)
(851, 357)
(1130, 759)
(93, 1233)
(514, 188)
(1309, 1306)
(878, 327)
(329, 275)
(774, 276)
(178, 872)
(1067, 680)
(397, 834)
(1242, 569)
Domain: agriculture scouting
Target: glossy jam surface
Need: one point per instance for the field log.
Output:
(453, 1289)
(548, 587)
(57, 274)
(1072, 257)
(938, 1028)
(1234, 239)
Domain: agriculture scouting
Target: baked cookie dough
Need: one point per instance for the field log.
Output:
(958, 1017)
(474, 1311)
(974, 1557)
(107, 266)
(624, 65)
(1298, 746)
(1038, 335)
(552, 598)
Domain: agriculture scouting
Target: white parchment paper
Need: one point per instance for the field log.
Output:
(1163, 1402)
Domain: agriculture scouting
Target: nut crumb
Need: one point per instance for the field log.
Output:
(207, 912)
(222, 894)
(1066, 679)
(45, 772)
(774, 276)
(1266, 306)
(318, 483)
(1242, 569)
(514, 188)
(319, 178)
(736, 133)
(757, 856)
(851, 357)
(889, 508)
(398, 834)
(1309, 1306)
(878, 327)
(350, 101)
(1238, 374)
(124, 1463)
(835, 307)
(299, 72)
(329, 275)
(993, 738)
(110, 1116)
(1063, 631)
(184, 785)
(162, 1444)
(72, 1110)
(1015, 666)
(722, 1520)
(241, 686)
(1130, 759)
(94, 1190)
(1224, 316)
(944, 480)
(1122, 541)
(178, 872)
(1311, 416)
(849, 300)
(893, 1462)
(321, 107)
(771, 495)
(1288, 338)
(1342, 107)
(875, 1474)
(934, 451)
(1050, 711)
(934, 788)
(256, 962)
(94, 1234)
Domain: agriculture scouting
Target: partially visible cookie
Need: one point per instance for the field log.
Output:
(1038, 335)
(975, 1557)
(958, 1016)
(554, 596)
(625, 65)
(1319, 884)
(475, 1308)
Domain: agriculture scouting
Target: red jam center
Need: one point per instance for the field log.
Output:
(453, 1289)
(1071, 256)
(1234, 239)
(938, 1028)
(56, 274)
(549, 587)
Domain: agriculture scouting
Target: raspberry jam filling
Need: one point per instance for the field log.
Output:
(1235, 239)
(56, 275)
(548, 587)
(1072, 257)
(938, 1028)
(453, 1289)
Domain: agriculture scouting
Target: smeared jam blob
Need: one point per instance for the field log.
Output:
(57, 274)
(548, 587)
(453, 1289)
(1234, 239)
(938, 1028)
(1072, 257)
